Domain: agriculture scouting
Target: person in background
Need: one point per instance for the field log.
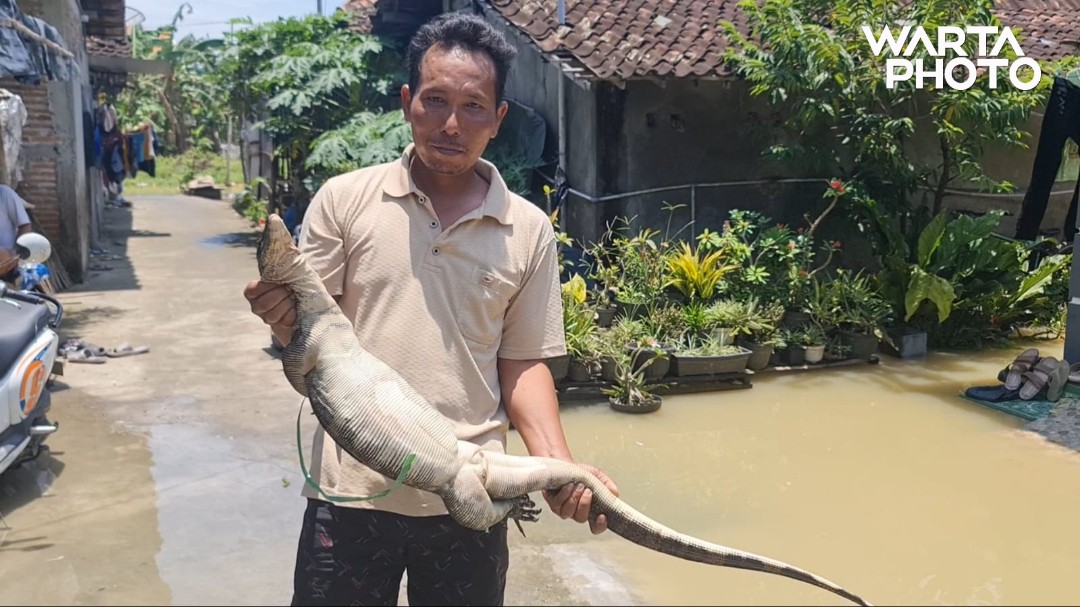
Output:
(14, 222)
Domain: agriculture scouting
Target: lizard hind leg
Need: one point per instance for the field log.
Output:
(469, 504)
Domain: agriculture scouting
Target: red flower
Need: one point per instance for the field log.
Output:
(799, 231)
(836, 243)
(837, 186)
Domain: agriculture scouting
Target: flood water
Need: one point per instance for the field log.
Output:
(877, 477)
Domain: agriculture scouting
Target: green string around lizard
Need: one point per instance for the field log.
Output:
(406, 466)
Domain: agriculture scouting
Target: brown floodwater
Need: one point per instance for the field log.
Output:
(877, 477)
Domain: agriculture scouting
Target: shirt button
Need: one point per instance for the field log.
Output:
(435, 251)
(434, 224)
(423, 199)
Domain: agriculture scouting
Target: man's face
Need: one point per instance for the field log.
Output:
(453, 112)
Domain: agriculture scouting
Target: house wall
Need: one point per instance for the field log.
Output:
(535, 83)
(1007, 163)
(53, 154)
(685, 132)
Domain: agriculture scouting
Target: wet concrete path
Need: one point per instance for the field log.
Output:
(174, 476)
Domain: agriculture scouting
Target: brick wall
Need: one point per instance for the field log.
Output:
(39, 170)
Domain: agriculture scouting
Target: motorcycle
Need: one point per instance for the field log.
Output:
(29, 346)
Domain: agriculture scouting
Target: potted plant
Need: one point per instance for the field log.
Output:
(708, 356)
(579, 327)
(861, 312)
(813, 340)
(630, 392)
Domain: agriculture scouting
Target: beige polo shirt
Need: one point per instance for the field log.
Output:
(440, 304)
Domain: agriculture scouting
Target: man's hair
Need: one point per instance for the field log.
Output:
(464, 31)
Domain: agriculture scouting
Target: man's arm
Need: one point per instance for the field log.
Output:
(533, 407)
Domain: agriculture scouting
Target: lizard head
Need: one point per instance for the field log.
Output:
(277, 255)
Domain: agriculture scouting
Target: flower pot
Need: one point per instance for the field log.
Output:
(909, 343)
(632, 311)
(796, 355)
(656, 370)
(578, 371)
(607, 368)
(760, 355)
(814, 354)
(863, 345)
(652, 404)
(681, 366)
(778, 357)
(605, 316)
(559, 366)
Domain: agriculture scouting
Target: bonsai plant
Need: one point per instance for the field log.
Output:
(630, 392)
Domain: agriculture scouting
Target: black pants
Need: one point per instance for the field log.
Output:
(351, 556)
(1061, 122)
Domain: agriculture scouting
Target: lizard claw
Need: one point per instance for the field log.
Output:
(525, 510)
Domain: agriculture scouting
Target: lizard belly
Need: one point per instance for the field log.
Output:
(380, 421)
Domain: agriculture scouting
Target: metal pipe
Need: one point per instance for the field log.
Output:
(562, 119)
(562, 12)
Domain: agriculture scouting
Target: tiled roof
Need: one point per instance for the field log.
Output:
(1048, 29)
(626, 39)
(658, 39)
(108, 47)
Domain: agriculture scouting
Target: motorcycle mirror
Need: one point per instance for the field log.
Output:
(33, 247)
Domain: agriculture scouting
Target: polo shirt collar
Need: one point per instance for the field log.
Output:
(400, 184)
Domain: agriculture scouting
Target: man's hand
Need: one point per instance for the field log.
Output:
(574, 500)
(273, 304)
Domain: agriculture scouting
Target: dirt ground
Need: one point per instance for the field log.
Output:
(174, 476)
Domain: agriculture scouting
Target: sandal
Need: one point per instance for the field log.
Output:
(1074, 373)
(126, 350)
(85, 355)
(1021, 365)
(1045, 374)
(1058, 379)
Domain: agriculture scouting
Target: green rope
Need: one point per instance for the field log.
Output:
(405, 468)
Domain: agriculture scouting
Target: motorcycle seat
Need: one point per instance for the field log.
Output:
(18, 327)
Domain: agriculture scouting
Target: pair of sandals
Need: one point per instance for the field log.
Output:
(1031, 375)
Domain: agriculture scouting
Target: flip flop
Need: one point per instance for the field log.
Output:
(85, 355)
(1039, 377)
(126, 350)
(992, 394)
(1021, 365)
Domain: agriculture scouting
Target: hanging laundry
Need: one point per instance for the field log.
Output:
(1060, 123)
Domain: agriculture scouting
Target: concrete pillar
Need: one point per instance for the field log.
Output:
(1072, 322)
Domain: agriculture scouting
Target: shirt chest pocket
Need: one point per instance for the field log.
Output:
(482, 301)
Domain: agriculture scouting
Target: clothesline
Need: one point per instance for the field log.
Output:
(28, 32)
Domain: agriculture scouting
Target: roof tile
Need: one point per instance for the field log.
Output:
(661, 38)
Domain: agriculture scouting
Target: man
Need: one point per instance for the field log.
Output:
(453, 281)
(14, 222)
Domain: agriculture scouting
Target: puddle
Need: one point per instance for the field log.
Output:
(228, 522)
(879, 478)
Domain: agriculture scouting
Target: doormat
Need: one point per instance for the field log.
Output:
(1032, 410)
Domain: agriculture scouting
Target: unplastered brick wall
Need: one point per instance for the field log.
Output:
(39, 171)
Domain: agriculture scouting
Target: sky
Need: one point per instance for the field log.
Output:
(210, 17)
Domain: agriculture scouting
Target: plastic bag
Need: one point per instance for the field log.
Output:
(33, 274)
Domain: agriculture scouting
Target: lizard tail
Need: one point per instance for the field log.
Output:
(515, 476)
